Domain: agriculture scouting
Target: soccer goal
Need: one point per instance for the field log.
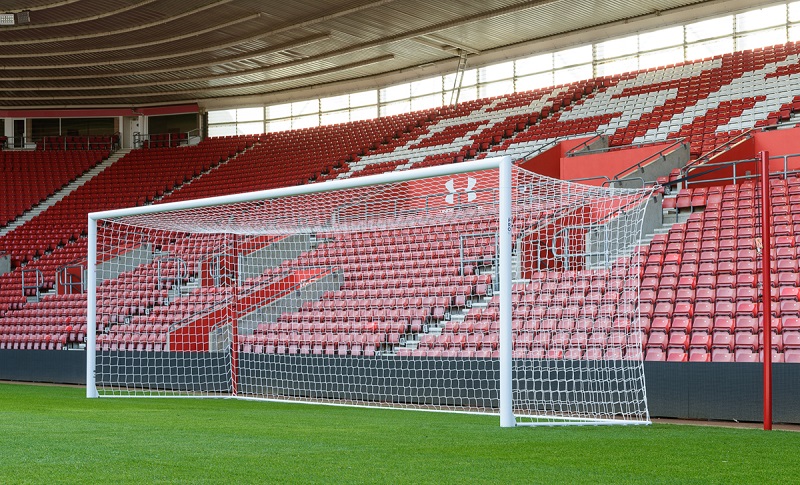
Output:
(473, 287)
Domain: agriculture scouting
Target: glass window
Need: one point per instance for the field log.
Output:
(617, 47)
(572, 74)
(470, 79)
(426, 86)
(530, 65)
(279, 125)
(252, 128)
(335, 102)
(468, 93)
(396, 108)
(279, 111)
(364, 98)
(226, 129)
(794, 33)
(708, 29)
(618, 66)
(536, 81)
(574, 56)
(761, 18)
(710, 48)
(657, 39)
(663, 57)
(301, 108)
(761, 38)
(365, 113)
(496, 89)
(334, 117)
(496, 72)
(305, 122)
(250, 114)
(425, 102)
(221, 116)
(794, 11)
(393, 93)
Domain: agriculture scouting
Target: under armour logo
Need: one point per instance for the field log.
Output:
(471, 195)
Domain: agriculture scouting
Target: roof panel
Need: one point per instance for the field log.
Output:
(112, 52)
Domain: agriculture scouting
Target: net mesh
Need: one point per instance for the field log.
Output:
(383, 295)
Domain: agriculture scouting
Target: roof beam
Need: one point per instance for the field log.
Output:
(134, 28)
(89, 18)
(286, 28)
(321, 72)
(134, 46)
(311, 39)
(446, 44)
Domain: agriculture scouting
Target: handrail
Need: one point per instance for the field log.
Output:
(626, 179)
(461, 247)
(171, 140)
(37, 283)
(546, 146)
(661, 153)
(573, 151)
(586, 179)
(614, 148)
(61, 142)
(69, 286)
(747, 134)
(181, 271)
(734, 178)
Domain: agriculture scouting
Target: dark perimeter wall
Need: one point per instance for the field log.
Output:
(695, 390)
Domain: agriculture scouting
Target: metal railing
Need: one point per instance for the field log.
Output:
(62, 142)
(181, 272)
(539, 150)
(66, 279)
(707, 168)
(650, 158)
(576, 150)
(32, 279)
(160, 140)
(465, 260)
(596, 177)
(719, 150)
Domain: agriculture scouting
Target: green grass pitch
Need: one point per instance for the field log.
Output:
(55, 434)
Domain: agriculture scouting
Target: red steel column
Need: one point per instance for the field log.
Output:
(766, 299)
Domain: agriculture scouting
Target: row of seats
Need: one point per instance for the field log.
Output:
(28, 178)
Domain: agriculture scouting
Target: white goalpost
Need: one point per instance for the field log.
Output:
(475, 287)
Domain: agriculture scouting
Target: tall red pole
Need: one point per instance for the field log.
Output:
(766, 299)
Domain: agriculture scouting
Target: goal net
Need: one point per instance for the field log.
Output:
(472, 287)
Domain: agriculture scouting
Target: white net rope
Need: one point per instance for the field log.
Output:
(385, 295)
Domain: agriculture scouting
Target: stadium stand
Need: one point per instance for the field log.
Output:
(699, 282)
(28, 178)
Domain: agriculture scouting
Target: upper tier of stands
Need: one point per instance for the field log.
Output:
(28, 178)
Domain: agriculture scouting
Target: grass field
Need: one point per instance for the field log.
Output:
(55, 434)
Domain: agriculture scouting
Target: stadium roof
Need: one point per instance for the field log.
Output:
(70, 53)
